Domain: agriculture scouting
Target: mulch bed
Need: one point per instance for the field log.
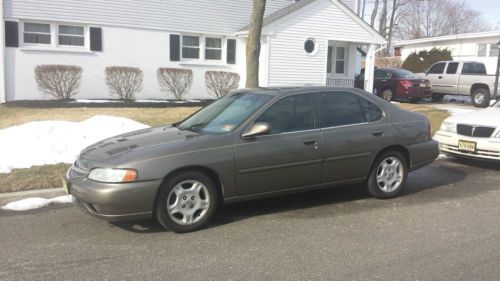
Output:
(121, 104)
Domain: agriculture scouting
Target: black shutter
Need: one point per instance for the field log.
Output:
(11, 34)
(175, 47)
(96, 39)
(231, 51)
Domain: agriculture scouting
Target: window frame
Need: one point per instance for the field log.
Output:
(23, 31)
(54, 37)
(336, 59)
(213, 48)
(322, 124)
(490, 46)
(202, 49)
(200, 40)
(85, 35)
(479, 46)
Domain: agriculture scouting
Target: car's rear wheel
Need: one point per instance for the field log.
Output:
(388, 175)
(186, 202)
(481, 97)
(387, 95)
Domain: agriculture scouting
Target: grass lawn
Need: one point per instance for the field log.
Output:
(48, 176)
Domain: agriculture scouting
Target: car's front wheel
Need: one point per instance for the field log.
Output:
(388, 175)
(186, 202)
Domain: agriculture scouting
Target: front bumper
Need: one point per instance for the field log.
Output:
(114, 202)
(486, 148)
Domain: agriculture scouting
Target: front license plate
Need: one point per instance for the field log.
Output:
(65, 186)
(467, 146)
(423, 85)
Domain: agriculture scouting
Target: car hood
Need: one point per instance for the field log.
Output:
(485, 117)
(135, 141)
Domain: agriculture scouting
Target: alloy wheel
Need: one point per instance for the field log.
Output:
(188, 202)
(390, 174)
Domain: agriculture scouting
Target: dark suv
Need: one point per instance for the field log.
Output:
(396, 83)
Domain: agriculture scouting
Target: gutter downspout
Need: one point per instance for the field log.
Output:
(2, 55)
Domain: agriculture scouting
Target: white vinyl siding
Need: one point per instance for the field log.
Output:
(322, 20)
(196, 16)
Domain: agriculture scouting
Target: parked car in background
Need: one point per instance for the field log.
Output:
(467, 78)
(397, 84)
(472, 135)
(247, 145)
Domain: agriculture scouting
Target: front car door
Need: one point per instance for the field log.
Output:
(288, 157)
(435, 75)
(354, 128)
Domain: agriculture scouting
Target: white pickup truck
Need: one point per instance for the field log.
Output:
(465, 78)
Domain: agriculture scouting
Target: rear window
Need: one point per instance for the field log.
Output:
(345, 108)
(401, 73)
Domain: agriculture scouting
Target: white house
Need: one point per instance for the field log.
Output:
(307, 42)
(481, 47)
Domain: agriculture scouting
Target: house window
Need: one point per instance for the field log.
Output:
(481, 50)
(493, 50)
(36, 33)
(213, 48)
(190, 47)
(340, 60)
(71, 35)
(310, 45)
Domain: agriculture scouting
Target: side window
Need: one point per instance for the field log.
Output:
(479, 68)
(341, 108)
(468, 68)
(379, 74)
(437, 68)
(372, 112)
(452, 68)
(290, 114)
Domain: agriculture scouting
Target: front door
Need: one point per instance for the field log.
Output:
(336, 66)
(435, 75)
(288, 157)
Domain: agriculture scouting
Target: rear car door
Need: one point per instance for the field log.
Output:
(381, 80)
(354, 128)
(288, 157)
(450, 79)
(435, 75)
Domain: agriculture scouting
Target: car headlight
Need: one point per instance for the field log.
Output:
(113, 175)
(449, 127)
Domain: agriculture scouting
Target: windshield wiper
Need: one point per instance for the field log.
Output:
(194, 128)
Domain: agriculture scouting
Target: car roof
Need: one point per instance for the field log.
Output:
(285, 91)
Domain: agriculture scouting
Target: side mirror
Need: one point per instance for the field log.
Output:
(258, 129)
(492, 102)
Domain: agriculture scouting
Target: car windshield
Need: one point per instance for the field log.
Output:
(226, 114)
(401, 73)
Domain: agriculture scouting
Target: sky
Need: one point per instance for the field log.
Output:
(488, 8)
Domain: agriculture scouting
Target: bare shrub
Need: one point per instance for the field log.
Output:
(59, 81)
(219, 83)
(124, 81)
(175, 81)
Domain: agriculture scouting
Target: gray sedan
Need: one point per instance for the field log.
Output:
(251, 144)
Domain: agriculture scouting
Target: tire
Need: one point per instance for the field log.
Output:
(437, 97)
(415, 100)
(192, 198)
(380, 186)
(481, 97)
(387, 95)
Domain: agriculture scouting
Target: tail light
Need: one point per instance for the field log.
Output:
(405, 84)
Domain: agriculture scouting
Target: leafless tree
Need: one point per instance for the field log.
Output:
(374, 13)
(59, 81)
(382, 26)
(219, 83)
(429, 18)
(175, 81)
(253, 44)
(124, 81)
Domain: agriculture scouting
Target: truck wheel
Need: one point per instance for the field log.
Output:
(481, 97)
(437, 97)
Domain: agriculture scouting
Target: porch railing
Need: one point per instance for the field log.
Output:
(346, 83)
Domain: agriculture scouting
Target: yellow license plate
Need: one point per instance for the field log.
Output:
(65, 185)
(423, 85)
(467, 146)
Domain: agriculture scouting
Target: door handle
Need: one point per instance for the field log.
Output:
(378, 133)
(440, 77)
(311, 142)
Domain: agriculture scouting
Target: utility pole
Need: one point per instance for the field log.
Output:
(497, 70)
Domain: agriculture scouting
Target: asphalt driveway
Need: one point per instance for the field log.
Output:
(445, 227)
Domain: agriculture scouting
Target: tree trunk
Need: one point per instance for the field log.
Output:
(395, 6)
(382, 28)
(253, 44)
(363, 10)
(374, 13)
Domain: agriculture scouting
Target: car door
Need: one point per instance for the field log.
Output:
(354, 128)
(450, 80)
(289, 156)
(435, 75)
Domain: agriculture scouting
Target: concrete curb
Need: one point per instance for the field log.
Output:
(6, 198)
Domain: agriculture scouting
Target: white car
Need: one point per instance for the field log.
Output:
(472, 135)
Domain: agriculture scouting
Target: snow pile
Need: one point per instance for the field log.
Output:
(35, 203)
(458, 111)
(456, 98)
(52, 142)
(93, 101)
